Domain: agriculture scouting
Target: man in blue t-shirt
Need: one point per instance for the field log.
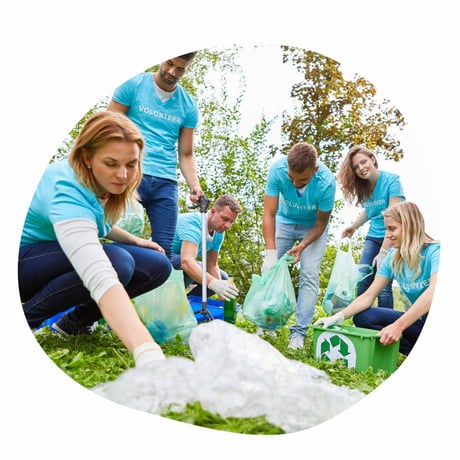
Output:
(187, 246)
(299, 198)
(167, 115)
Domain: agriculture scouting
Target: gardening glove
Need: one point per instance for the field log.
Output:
(378, 259)
(147, 354)
(327, 321)
(223, 289)
(271, 257)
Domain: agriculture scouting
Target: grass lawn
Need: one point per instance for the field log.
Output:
(101, 357)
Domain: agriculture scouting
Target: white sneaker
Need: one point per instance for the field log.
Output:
(296, 342)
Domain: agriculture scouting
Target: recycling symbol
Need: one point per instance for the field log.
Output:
(332, 346)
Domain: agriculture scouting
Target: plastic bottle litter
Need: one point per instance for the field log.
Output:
(234, 374)
(230, 307)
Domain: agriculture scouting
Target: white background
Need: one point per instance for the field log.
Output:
(59, 58)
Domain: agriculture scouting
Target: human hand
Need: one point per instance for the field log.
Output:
(271, 257)
(327, 321)
(195, 194)
(348, 232)
(296, 252)
(143, 242)
(147, 354)
(390, 334)
(378, 259)
(223, 289)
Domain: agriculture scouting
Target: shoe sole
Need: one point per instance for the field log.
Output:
(58, 329)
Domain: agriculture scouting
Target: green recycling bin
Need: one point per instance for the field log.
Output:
(360, 348)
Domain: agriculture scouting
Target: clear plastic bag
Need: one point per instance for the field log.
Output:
(344, 279)
(133, 220)
(166, 311)
(271, 299)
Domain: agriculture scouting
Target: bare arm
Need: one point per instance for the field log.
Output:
(122, 236)
(367, 298)
(351, 229)
(212, 262)
(189, 264)
(269, 220)
(79, 241)
(117, 309)
(187, 162)
(392, 333)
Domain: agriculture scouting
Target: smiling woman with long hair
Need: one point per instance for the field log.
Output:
(63, 262)
(413, 262)
(365, 184)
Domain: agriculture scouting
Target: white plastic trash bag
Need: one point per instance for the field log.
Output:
(234, 374)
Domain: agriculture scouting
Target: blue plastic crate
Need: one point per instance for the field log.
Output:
(49, 322)
(215, 307)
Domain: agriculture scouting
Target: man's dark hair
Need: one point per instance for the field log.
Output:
(302, 156)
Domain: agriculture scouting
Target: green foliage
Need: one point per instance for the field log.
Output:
(196, 415)
(228, 162)
(334, 113)
(98, 358)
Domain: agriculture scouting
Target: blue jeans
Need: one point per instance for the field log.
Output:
(48, 284)
(377, 318)
(310, 261)
(370, 250)
(197, 290)
(160, 199)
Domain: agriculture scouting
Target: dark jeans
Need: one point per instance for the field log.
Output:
(371, 249)
(48, 284)
(378, 318)
(160, 199)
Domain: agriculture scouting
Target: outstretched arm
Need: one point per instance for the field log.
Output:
(393, 332)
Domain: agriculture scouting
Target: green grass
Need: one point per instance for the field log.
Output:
(101, 357)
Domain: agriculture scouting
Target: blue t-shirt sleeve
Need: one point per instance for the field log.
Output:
(272, 186)
(385, 269)
(73, 201)
(190, 233)
(216, 242)
(193, 116)
(327, 201)
(435, 253)
(395, 188)
(124, 93)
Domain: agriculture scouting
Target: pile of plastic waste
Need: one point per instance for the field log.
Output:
(233, 374)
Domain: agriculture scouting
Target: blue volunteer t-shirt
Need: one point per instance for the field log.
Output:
(413, 288)
(387, 186)
(60, 196)
(296, 207)
(159, 122)
(189, 229)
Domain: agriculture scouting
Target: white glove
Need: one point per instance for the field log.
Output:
(378, 259)
(147, 354)
(271, 257)
(223, 289)
(327, 321)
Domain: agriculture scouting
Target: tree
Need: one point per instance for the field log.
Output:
(334, 113)
(228, 162)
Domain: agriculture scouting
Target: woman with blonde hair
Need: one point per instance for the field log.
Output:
(413, 262)
(72, 254)
(363, 183)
